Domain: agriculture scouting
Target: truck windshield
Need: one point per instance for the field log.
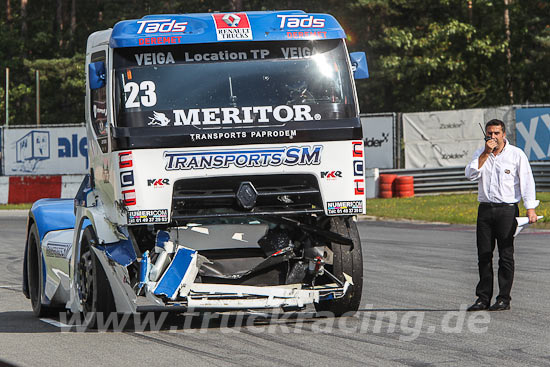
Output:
(233, 85)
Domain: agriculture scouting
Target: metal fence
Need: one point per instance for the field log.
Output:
(452, 179)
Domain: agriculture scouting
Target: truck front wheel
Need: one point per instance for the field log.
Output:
(95, 291)
(346, 259)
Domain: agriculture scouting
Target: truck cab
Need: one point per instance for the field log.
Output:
(226, 166)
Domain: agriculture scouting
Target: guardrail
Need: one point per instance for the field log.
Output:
(452, 179)
(541, 172)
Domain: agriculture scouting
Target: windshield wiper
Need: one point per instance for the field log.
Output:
(232, 97)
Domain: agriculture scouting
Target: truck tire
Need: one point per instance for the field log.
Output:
(345, 260)
(95, 290)
(35, 274)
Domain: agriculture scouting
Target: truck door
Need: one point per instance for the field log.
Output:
(98, 125)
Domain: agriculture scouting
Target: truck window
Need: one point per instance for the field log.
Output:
(233, 84)
(98, 105)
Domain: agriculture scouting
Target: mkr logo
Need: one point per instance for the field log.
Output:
(331, 174)
(158, 182)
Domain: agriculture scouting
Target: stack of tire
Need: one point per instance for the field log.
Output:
(392, 185)
(386, 185)
(404, 186)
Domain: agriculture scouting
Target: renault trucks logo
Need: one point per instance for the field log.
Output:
(231, 20)
(161, 26)
(232, 26)
(240, 158)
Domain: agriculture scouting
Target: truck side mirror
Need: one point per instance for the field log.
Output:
(359, 65)
(96, 74)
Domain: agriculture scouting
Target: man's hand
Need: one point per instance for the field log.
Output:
(532, 215)
(490, 145)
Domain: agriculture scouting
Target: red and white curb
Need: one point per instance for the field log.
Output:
(28, 189)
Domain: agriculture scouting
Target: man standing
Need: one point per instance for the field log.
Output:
(505, 177)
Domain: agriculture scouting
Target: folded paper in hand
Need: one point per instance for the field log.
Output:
(523, 222)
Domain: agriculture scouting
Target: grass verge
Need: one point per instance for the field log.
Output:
(15, 206)
(451, 208)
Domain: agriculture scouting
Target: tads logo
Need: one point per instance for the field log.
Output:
(160, 25)
(372, 142)
(300, 21)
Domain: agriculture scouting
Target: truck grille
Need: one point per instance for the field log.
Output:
(213, 197)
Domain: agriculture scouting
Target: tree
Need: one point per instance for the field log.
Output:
(422, 54)
(8, 11)
(24, 17)
(63, 82)
(530, 45)
(429, 56)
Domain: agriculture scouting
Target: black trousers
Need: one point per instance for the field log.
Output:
(495, 222)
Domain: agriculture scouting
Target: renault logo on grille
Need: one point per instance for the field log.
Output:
(247, 195)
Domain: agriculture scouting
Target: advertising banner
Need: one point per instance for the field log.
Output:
(45, 151)
(533, 132)
(379, 138)
(447, 138)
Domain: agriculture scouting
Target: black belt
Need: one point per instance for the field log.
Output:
(494, 205)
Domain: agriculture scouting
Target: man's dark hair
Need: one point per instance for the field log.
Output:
(495, 122)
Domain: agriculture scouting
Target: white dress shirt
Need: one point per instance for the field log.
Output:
(504, 178)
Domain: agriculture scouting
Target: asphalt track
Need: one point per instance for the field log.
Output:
(418, 280)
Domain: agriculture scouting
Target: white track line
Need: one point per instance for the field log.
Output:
(13, 287)
(55, 323)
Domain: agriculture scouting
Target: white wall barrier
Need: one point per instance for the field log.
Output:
(4, 189)
(379, 139)
(372, 178)
(449, 138)
(44, 151)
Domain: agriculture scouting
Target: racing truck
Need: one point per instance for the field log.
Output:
(226, 171)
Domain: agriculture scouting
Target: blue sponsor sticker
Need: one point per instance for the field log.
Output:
(263, 157)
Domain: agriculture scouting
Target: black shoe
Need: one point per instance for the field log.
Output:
(500, 306)
(479, 305)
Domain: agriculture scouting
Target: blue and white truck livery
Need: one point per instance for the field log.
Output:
(226, 171)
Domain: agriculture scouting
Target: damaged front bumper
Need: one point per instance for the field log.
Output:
(228, 297)
(177, 291)
(167, 275)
